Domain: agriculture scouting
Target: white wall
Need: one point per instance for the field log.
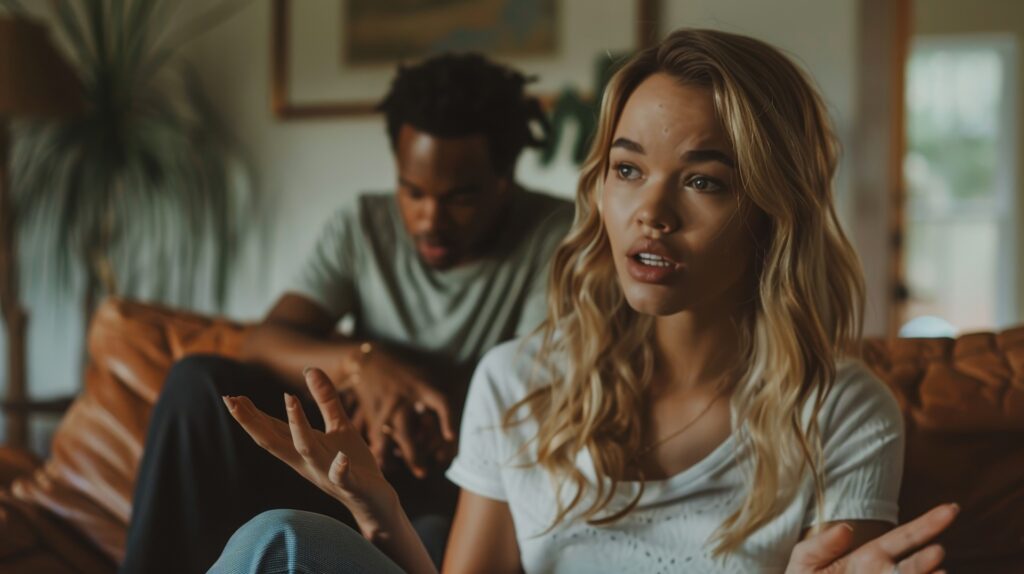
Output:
(305, 168)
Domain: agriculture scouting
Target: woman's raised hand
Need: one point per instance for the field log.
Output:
(906, 549)
(336, 460)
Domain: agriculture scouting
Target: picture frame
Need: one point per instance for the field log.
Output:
(308, 80)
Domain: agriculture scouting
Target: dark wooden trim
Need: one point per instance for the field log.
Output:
(14, 314)
(279, 56)
(25, 407)
(903, 29)
(648, 17)
(648, 20)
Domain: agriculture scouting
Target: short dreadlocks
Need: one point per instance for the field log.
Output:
(456, 95)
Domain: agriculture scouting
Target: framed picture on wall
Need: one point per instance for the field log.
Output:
(337, 57)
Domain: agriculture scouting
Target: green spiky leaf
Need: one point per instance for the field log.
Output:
(138, 193)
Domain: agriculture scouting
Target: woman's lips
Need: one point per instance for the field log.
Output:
(652, 268)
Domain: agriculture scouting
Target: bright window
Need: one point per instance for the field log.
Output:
(959, 175)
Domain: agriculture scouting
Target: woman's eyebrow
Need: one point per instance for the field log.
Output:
(628, 144)
(692, 156)
(702, 155)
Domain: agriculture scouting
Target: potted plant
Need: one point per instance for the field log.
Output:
(140, 194)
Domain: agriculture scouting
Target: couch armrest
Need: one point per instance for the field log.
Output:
(87, 482)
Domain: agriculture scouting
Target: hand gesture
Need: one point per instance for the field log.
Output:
(336, 460)
(894, 552)
(396, 404)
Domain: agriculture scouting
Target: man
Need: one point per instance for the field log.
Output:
(433, 276)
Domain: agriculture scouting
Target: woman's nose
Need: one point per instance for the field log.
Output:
(655, 217)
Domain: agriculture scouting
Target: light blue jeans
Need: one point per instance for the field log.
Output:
(299, 542)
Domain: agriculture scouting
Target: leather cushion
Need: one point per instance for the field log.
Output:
(89, 478)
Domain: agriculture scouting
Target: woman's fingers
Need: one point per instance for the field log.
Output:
(257, 423)
(269, 433)
(924, 561)
(917, 532)
(302, 434)
(335, 418)
(340, 472)
(821, 550)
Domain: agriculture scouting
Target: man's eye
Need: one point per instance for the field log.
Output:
(627, 172)
(705, 184)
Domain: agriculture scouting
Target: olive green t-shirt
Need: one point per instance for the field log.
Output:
(365, 265)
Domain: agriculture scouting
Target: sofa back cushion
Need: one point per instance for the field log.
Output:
(963, 404)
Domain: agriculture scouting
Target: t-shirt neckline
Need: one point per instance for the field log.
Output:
(658, 490)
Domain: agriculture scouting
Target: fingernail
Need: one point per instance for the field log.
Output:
(289, 401)
(956, 507)
(306, 370)
(229, 402)
(847, 526)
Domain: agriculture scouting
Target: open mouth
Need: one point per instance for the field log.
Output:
(653, 260)
(650, 262)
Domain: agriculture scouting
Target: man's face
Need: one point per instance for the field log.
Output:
(449, 195)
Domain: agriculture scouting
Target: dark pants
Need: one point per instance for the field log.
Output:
(202, 476)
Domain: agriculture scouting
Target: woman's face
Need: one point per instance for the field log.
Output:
(671, 203)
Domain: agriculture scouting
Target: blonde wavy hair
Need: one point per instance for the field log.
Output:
(807, 310)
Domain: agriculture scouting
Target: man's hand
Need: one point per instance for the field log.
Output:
(337, 461)
(397, 404)
(893, 552)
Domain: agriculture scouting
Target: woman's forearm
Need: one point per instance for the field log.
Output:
(396, 538)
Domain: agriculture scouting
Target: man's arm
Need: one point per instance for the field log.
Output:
(393, 396)
(298, 333)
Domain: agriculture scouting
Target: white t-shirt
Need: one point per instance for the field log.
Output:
(669, 531)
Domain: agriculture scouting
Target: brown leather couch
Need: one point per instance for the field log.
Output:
(963, 401)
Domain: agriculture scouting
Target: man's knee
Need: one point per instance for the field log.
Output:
(195, 380)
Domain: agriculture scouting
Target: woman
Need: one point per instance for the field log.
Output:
(686, 406)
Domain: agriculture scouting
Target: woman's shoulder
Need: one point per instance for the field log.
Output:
(858, 397)
(856, 383)
(510, 370)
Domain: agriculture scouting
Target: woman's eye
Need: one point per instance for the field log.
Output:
(705, 184)
(627, 172)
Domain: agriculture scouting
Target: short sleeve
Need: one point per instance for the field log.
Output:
(477, 467)
(863, 440)
(327, 277)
